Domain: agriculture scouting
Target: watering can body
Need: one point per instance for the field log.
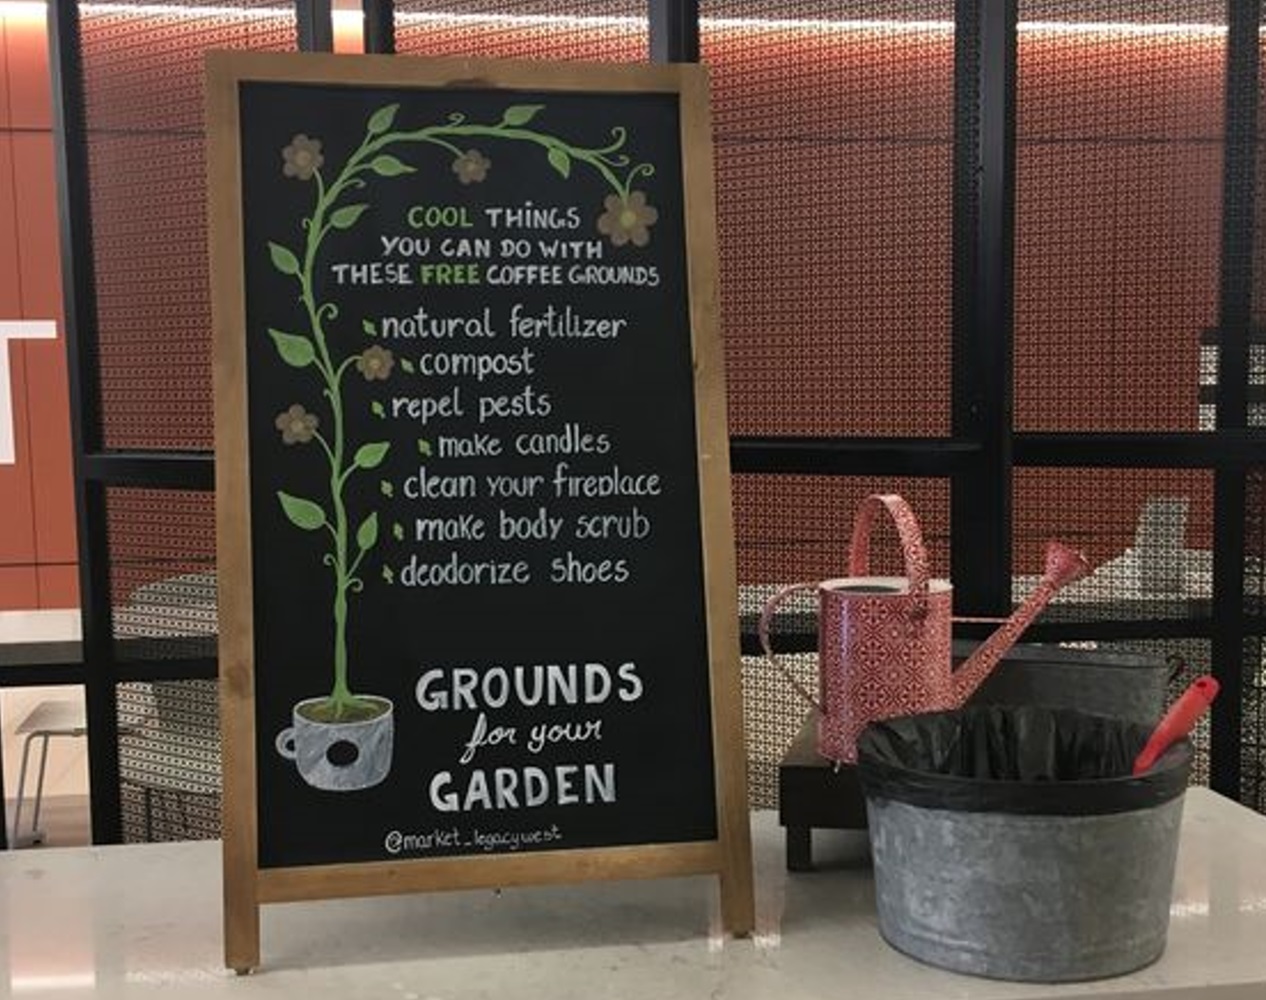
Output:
(884, 643)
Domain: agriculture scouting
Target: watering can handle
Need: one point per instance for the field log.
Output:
(767, 616)
(912, 548)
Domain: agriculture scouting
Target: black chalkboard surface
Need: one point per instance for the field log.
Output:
(473, 479)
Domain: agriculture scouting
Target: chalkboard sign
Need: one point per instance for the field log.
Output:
(476, 558)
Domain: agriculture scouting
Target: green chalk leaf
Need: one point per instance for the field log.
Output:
(382, 119)
(345, 217)
(368, 326)
(283, 260)
(302, 513)
(520, 114)
(367, 533)
(560, 161)
(407, 365)
(377, 410)
(389, 166)
(297, 352)
(424, 447)
(370, 456)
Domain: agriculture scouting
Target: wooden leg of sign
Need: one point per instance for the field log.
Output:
(241, 928)
(734, 827)
(738, 905)
(241, 925)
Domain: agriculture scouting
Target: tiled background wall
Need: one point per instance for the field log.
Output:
(37, 522)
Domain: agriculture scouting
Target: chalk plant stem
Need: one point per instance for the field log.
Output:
(341, 697)
(604, 159)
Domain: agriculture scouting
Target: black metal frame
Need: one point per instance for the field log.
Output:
(978, 458)
(674, 30)
(315, 22)
(80, 326)
(984, 234)
(380, 27)
(1235, 330)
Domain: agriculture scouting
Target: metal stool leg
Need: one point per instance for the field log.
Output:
(17, 809)
(36, 835)
(43, 722)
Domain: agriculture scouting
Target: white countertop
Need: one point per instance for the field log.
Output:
(133, 921)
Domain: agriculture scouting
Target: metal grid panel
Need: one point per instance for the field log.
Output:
(162, 573)
(1238, 192)
(169, 760)
(1119, 160)
(570, 10)
(834, 151)
(153, 297)
(1253, 693)
(1148, 532)
(1137, 12)
(1256, 363)
(142, 67)
(1253, 725)
(792, 528)
(1255, 548)
(589, 30)
(1253, 665)
(1236, 196)
(772, 716)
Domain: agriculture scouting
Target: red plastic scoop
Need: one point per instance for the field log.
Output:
(1177, 723)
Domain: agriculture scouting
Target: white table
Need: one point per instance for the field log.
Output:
(144, 921)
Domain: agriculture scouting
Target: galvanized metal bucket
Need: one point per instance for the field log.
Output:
(1128, 686)
(1035, 880)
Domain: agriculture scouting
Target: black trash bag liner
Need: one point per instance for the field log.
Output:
(1017, 759)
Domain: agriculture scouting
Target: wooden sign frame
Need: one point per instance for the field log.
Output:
(246, 885)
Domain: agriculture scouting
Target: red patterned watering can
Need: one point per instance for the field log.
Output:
(884, 642)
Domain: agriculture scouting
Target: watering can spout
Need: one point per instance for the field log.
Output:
(1063, 566)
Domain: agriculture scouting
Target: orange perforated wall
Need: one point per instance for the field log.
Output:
(834, 170)
(141, 68)
(37, 518)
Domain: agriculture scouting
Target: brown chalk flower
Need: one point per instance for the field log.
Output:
(627, 220)
(302, 158)
(297, 425)
(471, 166)
(375, 363)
